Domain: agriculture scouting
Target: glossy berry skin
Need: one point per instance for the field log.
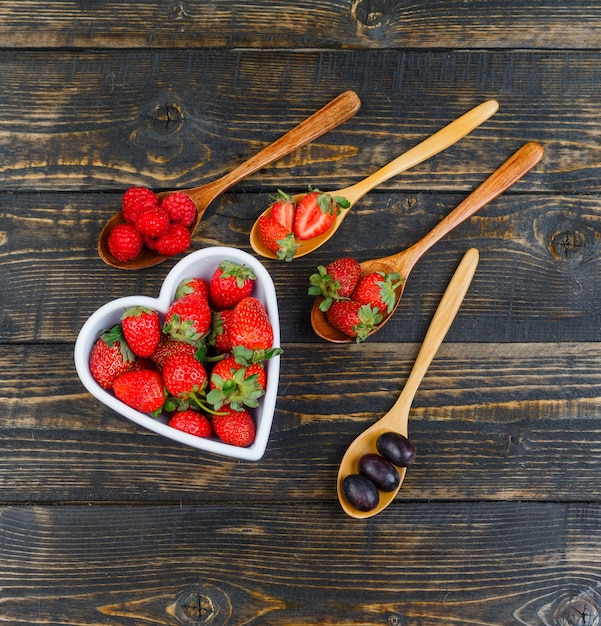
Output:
(192, 285)
(180, 208)
(220, 336)
(381, 472)
(249, 326)
(188, 319)
(177, 239)
(346, 271)
(184, 375)
(360, 492)
(124, 242)
(142, 330)
(230, 283)
(235, 428)
(353, 318)
(378, 290)
(142, 390)
(135, 200)
(110, 357)
(396, 448)
(191, 422)
(277, 238)
(167, 347)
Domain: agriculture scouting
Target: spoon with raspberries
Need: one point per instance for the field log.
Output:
(353, 314)
(141, 251)
(294, 226)
(375, 464)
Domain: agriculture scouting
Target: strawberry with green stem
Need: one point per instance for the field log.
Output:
(378, 289)
(335, 281)
(353, 318)
(142, 329)
(316, 212)
(110, 357)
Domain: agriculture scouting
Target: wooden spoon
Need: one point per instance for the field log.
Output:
(331, 115)
(397, 418)
(501, 179)
(438, 142)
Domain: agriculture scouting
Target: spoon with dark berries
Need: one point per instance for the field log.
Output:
(375, 464)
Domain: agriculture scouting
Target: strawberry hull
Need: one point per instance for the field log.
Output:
(200, 264)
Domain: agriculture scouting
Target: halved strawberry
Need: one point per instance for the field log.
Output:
(316, 213)
(283, 210)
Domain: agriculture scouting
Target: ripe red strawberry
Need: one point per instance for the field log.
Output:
(283, 210)
(142, 330)
(184, 376)
(335, 281)
(219, 336)
(353, 318)
(192, 285)
(177, 239)
(230, 283)
(152, 222)
(180, 207)
(124, 242)
(250, 326)
(110, 357)
(192, 422)
(235, 428)
(235, 384)
(378, 290)
(316, 213)
(134, 200)
(277, 238)
(188, 319)
(168, 347)
(142, 390)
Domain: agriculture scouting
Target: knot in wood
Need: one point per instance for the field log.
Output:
(167, 118)
(371, 13)
(578, 611)
(202, 604)
(567, 245)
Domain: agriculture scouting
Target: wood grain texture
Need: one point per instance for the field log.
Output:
(490, 421)
(184, 118)
(498, 521)
(426, 563)
(280, 24)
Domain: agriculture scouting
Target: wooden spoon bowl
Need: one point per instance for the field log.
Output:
(438, 142)
(403, 262)
(328, 117)
(396, 420)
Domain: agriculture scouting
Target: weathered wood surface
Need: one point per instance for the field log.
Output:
(497, 523)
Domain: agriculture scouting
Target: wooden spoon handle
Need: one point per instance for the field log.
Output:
(439, 327)
(342, 108)
(438, 142)
(520, 163)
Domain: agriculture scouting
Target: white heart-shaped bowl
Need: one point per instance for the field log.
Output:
(200, 264)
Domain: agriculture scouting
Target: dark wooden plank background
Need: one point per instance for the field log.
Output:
(498, 522)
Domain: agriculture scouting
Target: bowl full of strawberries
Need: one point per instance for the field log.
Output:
(199, 364)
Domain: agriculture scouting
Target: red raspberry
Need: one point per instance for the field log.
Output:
(180, 207)
(124, 242)
(135, 199)
(152, 222)
(177, 239)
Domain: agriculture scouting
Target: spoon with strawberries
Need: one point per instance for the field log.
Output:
(311, 219)
(373, 467)
(336, 328)
(328, 117)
